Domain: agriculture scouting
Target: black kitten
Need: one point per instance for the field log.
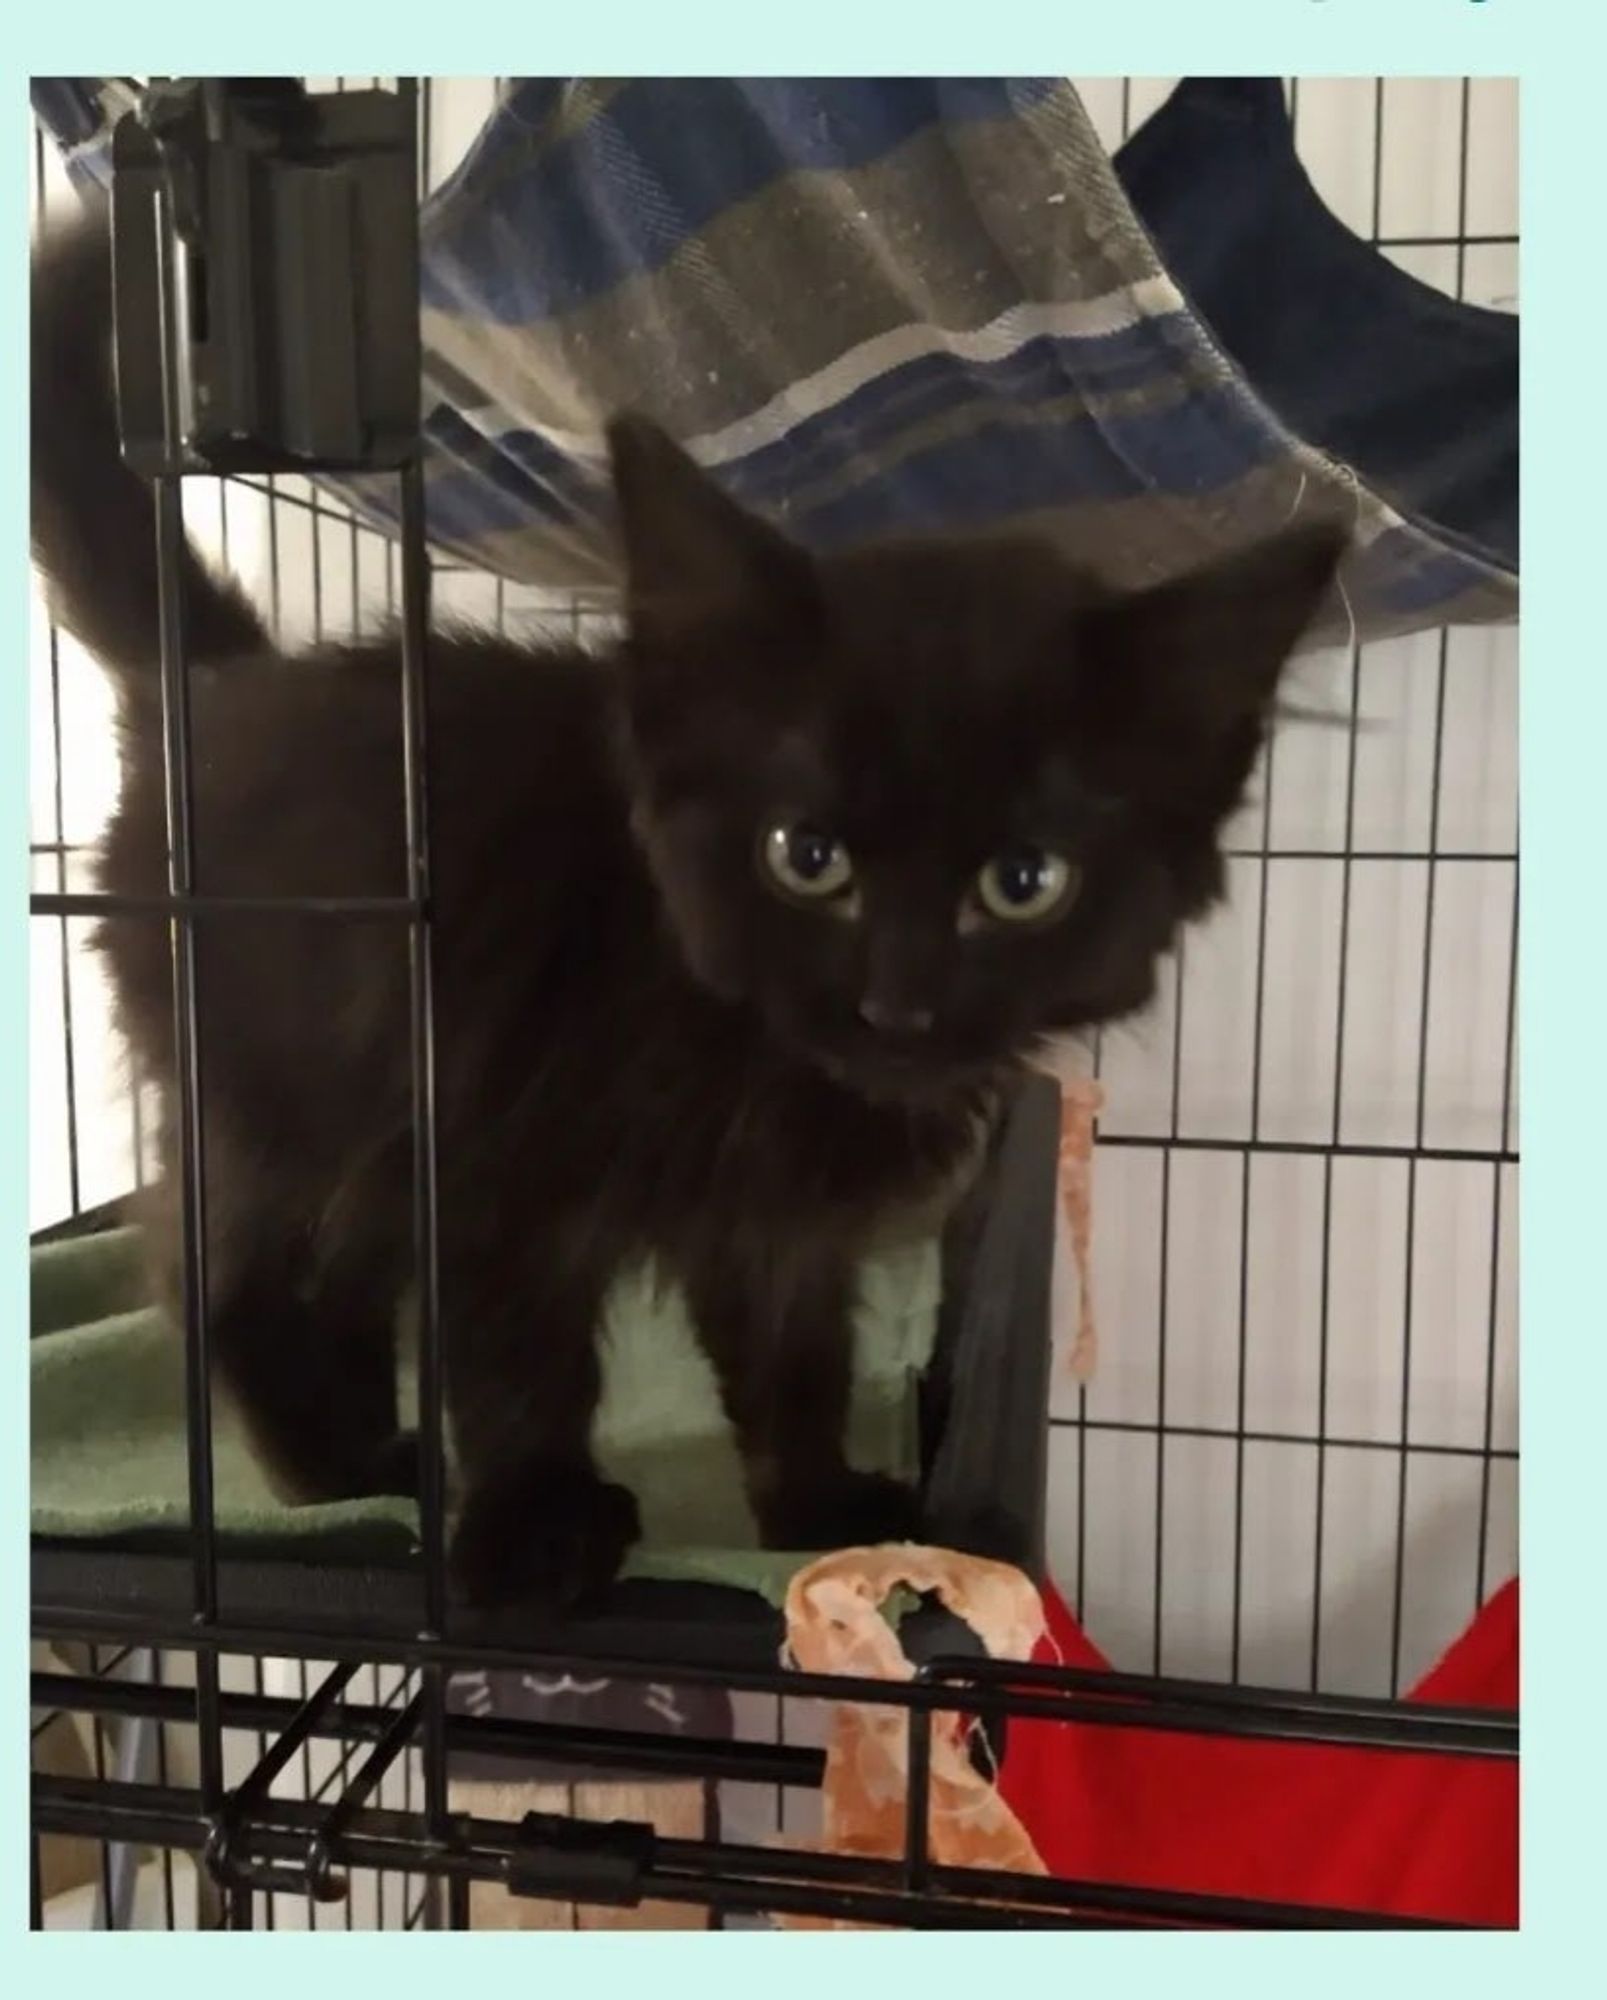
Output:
(739, 927)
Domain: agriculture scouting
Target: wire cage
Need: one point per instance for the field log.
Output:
(1313, 1132)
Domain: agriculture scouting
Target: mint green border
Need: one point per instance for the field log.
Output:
(1564, 734)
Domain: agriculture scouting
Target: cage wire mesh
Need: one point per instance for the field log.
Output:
(1296, 1466)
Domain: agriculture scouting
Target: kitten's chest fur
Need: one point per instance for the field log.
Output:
(627, 1096)
(681, 1143)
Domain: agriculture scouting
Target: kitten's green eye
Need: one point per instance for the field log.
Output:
(807, 862)
(1026, 884)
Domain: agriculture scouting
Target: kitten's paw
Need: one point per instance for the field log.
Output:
(394, 1467)
(360, 1472)
(550, 1539)
(842, 1511)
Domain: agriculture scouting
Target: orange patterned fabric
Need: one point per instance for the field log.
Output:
(1081, 1101)
(835, 1626)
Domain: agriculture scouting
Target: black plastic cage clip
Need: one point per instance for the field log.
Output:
(581, 1861)
(277, 231)
(226, 1854)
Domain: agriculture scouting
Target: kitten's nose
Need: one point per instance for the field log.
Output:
(889, 1017)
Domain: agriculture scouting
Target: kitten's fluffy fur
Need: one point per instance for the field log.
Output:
(641, 1047)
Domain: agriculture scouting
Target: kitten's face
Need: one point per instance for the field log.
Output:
(922, 805)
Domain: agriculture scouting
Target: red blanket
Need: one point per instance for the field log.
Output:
(1394, 1833)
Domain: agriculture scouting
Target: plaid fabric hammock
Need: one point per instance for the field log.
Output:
(900, 305)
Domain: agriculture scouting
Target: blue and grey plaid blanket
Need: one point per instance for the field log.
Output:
(866, 306)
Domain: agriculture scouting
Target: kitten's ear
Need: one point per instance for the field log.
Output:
(1177, 681)
(691, 553)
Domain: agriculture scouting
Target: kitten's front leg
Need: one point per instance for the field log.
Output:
(780, 1335)
(538, 1524)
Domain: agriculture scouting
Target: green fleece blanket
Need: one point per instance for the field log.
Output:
(108, 1455)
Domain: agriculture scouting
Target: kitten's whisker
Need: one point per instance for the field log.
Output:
(1321, 718)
